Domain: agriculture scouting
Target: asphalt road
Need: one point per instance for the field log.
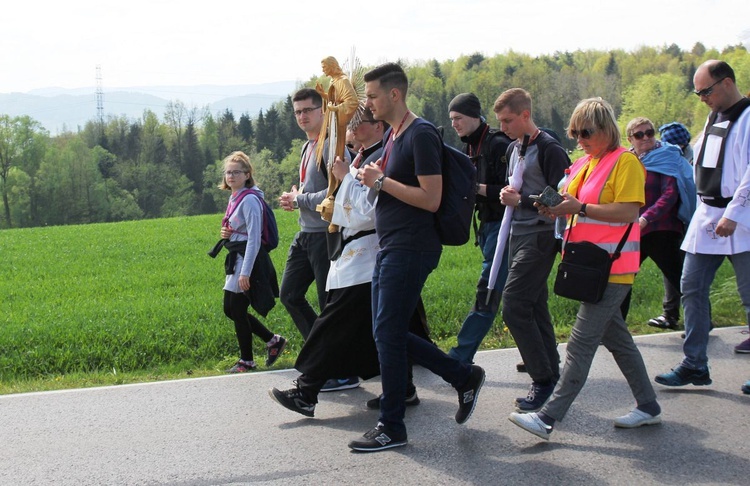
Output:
(226, 431)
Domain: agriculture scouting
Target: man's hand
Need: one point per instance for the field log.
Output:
(286, 199)
(370, 173)
(509, 196)
(725, 227)
(340, 169)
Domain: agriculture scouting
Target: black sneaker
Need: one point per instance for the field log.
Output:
(274, 349)
(294, 400)
(681, 376)
(411, 400)
(378, 439)
(521, 367)
(537, 397)
(469, 393)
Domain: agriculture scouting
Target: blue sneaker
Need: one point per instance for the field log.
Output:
(681, 376)
(336, 384)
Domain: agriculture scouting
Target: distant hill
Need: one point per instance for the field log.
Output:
(60, 109)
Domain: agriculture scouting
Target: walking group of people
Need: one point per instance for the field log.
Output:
(372, 259)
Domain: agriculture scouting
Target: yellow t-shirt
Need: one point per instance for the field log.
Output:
(626, 183)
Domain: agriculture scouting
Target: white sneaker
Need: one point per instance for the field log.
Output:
(636, 418)
(530, 422)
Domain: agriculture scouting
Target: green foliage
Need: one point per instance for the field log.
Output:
(127, 301)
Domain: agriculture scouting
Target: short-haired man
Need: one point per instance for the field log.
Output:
(532, 246)
(409, 181)
(486, 148)
(720, 226)
(307, 260)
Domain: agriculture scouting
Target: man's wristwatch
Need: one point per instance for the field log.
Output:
(582, 211)
(295, 204)
(378, 184)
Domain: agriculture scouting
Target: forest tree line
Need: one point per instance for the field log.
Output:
(126, 169)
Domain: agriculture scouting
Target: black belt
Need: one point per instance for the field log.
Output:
(716, 202)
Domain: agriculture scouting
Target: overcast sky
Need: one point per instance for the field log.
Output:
(226, 42)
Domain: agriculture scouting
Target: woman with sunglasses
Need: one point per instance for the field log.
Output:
(603, 193)
(670, 203)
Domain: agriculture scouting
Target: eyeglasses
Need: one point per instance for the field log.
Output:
(305, 110)
(709, 90)
(584, 134)
(234, 173)
(648, 134)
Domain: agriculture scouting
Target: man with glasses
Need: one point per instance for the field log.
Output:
(532, 245)
(721, 224)
(307, 260)
(486, 148)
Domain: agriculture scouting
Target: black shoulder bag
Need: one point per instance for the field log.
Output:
(584, 270)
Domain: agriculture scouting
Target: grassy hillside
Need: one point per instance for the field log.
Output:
(137, 301)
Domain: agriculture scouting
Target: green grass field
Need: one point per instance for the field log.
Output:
(141, 301)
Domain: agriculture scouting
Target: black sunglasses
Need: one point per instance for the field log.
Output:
(709, 90)
(648, 133)
(584, 134)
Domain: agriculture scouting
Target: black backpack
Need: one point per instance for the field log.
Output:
(453, 217)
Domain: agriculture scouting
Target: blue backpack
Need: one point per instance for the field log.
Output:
(269, 235)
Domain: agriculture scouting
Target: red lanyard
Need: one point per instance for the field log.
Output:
(389, 144)
(306, 160)
(358, 158)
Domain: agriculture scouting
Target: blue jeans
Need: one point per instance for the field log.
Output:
(698, 274)
(397, 282)
(479, 321)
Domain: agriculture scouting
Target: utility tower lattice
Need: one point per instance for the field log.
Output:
(99, 96)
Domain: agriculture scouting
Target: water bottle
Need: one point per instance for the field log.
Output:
(561, 221)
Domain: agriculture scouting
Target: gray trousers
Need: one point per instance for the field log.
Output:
(600, 323)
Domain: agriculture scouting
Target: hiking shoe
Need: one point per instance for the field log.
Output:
(242, 366)
(335, 384)
(537, 397)
(636, 418)
(746, 388)
(294, 400)
(663, 322)
(378, 439)
(743, 347)
(469, 393)
(275, 346)
(682, 376)
(521, 367)
(411, 400)
(530, 422)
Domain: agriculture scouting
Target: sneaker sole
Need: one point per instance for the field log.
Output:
(626, 425)
(690, 382)
(390, 445)
(742, 351)
(348, 386)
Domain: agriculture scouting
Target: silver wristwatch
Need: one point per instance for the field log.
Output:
(378, 184)
(295, 204)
